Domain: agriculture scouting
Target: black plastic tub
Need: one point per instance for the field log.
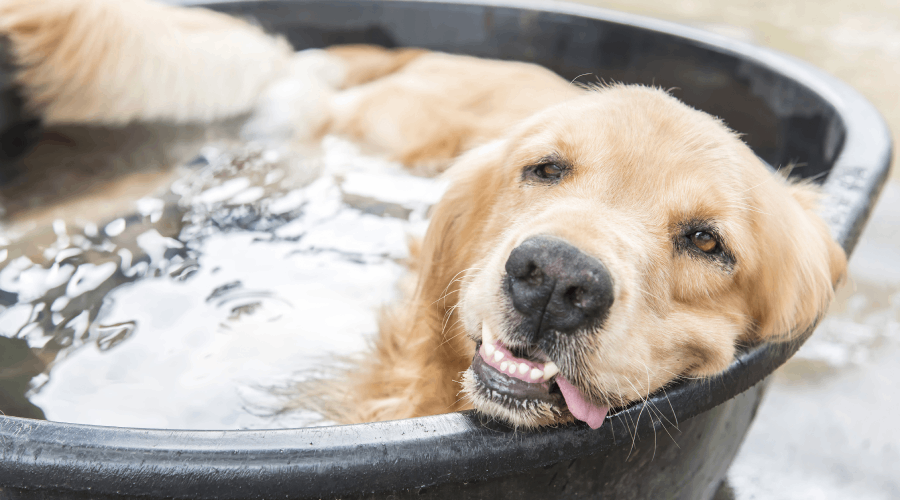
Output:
(788, 111)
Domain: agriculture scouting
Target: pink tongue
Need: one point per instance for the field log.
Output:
(580, 408)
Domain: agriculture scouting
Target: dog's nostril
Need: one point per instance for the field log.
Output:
(534, 276)
(575, 296)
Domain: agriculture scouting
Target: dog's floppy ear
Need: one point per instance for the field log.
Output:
(417, 351)
(412, 360)
(798, 264)
(459, 221)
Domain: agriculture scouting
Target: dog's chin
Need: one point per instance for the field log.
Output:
(516, 402)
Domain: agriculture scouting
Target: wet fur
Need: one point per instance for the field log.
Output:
(644, 168)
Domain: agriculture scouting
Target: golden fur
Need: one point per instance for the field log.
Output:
(641, 171)
(116, 61)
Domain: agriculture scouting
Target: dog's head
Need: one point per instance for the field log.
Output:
(617, 242)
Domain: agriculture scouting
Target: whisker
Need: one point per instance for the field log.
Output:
(454, 279)
(659, 413)
(627, 429)
(640, 413)
(674, 415)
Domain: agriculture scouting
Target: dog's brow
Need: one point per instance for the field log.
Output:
(558, 159)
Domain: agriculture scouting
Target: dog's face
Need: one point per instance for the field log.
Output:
(615, 243)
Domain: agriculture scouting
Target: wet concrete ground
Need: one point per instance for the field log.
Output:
(826, 428)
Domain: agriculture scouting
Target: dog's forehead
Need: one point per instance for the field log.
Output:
(640, 139)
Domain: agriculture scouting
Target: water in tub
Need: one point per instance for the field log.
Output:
(245, 269)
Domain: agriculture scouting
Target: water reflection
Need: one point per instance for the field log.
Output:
(182, 312)
(18, 365)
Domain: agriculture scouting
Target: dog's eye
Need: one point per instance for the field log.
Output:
(548, 171)
(699, 238)
(706, 242)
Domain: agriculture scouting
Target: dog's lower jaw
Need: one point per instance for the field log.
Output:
(517, 413)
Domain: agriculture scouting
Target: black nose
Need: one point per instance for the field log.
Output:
(557, 287)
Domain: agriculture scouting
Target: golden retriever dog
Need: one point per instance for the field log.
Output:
(594, 244)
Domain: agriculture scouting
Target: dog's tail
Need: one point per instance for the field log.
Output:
(116, 61)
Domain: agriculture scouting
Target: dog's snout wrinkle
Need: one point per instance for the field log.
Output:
(557, 287)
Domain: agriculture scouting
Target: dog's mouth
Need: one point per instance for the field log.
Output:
(527, 382)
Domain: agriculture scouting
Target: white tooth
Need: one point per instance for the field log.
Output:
(487, 336)
(489, 349)
(536, 374)
(513, 368)
(523, 369)
(550, 369)
(503, 366)
(498, 356)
